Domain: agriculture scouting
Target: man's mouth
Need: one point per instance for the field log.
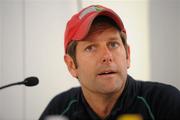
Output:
(107, 73)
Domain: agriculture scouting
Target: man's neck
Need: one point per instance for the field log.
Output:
(101, 104)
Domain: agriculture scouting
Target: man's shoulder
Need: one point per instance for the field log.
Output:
(151, 86)
(62, 102)
(153, 89)
(67, 95)
(158, 87)
(156, 90)
(161, 99)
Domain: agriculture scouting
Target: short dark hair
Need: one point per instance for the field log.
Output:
(71, 49)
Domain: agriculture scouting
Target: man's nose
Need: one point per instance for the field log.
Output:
(106, 56)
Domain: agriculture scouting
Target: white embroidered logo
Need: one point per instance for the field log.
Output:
(89, 10)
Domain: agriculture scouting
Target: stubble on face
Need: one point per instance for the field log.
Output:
(97, 77)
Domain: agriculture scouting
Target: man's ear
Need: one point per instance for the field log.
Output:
(128, 51)
(70, 65)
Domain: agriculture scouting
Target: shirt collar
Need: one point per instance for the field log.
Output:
(123, 101)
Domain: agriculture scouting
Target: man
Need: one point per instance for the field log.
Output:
(97, 54)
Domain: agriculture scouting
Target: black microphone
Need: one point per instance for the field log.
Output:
(30, 81)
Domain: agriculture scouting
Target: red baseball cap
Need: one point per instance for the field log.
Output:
(80, 23)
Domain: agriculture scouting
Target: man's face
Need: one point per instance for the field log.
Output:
(102, 62)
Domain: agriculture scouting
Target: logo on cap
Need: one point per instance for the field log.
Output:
(89, 10)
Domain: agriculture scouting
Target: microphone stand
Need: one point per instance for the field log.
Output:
(12, 84)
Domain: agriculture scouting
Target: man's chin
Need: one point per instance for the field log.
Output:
(110, 91)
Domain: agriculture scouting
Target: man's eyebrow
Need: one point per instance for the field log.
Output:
(86, 42)
(114, 38)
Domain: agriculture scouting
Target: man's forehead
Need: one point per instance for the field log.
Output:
(98, 28)
(111, 34)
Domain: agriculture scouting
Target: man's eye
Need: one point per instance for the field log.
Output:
(90, 48)
(113, 45)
